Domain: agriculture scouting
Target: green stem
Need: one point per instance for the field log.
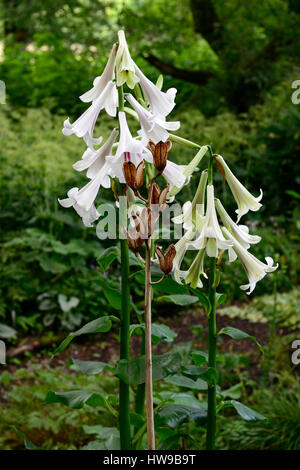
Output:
(124, 347)
(124, 403)
(212, 348)
(212, 339)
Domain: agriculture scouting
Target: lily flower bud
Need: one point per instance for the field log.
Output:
(134, 176)
(166, 260)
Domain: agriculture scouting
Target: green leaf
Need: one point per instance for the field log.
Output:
(107, 257)
(100, 325)
(90, 367)
(7, 331)
(28, 444)
(169, 286)
(220, 299)
(159, 332)
(233, 392)
(132, 371)
(204, 300)
(174, 415)
(237, 334)
(178, 299)
(78, 398)
(199, 357)
(187, 399)
(183, 381)
(205, 373)
(244, 411)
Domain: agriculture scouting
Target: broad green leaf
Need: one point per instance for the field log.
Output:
(7, 331)
(183, 381)
(237, 334)
(244, 411)
(173, 415)
(28, 444)
(199, 357)
(133, 371)
(90, 367)
(205, 373)
(187, 399)
(220, 299)
(204, 300)
(159, 332)
(78, 398)
(234, 392)
(169, 286)
(107, 257)
(178, 299)
(100, 325)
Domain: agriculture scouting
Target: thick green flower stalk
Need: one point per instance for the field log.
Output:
(209, 239)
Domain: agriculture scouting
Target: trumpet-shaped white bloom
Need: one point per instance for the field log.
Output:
(181, 247)
(193, 212)
(161, 103)
(240, 232)
(243, 197)
(125, 67)
(84, 125)
(101, 81)
(254, 268)
(88, 216)
(95, 161)
(129, 149)
(211, 236)
(193, 276)
(173, 174)
(152, 127)
(191, 167)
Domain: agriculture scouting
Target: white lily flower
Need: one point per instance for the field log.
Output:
(125, 67)
(174, 174)
(181, 247)
(152, 127)
(254, 268)
(211, 236)
(84, 125)
(193, 212)
(101, 81)
(129, 149)
(191, 167)
(193, 276)
(240, 232)
(88, 216)
(161, 103)
(243, 197)
(95, 161)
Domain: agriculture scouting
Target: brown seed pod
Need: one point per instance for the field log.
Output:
(166, 260)
(134, 176)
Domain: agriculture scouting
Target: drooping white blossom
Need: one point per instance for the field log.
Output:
(240, 232)
(129, 149)
(254, 268)
(196, 270)
(153, 127)
(244, 199)
(211, 237)
(84, 125)
(181, 248)
(100, 82)
(95, 161)
(161, 103)
(193, 212)
(88, 216)
(125, 67)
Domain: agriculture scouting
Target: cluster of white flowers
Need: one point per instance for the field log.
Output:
(206, 235)
(101, 164)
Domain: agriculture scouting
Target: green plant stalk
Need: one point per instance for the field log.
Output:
(124, 403)
(212, 340)
(212, 348)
